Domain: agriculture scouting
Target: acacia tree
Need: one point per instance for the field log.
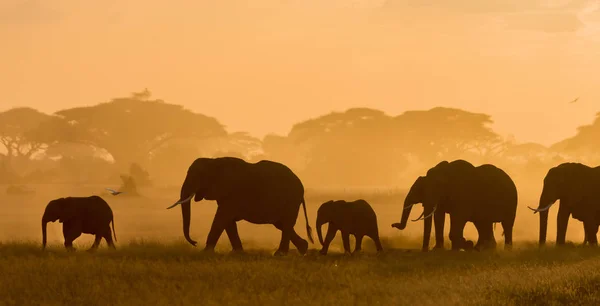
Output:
(447, 133)
(18, 135)
(348, 148)
(367, 147)
(131, 128)
(585, 145)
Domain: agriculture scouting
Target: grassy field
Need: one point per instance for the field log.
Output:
(174, 274)
(154, 266)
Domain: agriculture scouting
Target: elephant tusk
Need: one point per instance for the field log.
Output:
(181, 201)
(535, 210)
(409, 206)
(419, 218)
(423, 218)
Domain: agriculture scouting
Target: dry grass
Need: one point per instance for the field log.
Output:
(177, 274)
(153, 266)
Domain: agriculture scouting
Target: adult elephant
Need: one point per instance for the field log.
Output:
(265, 192)
(482, 195)
(577, 187)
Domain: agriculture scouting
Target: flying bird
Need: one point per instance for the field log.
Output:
(574, 100)
(114, 192)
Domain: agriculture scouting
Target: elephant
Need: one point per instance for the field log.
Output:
(88, 215)
(576, 186)
(482, 195)
(265, 192)
(351, 218)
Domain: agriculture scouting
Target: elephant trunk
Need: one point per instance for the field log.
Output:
(320, 222)
(547, 199)
(186, 212)
(426, 229)
(543, 226)
(44, 235)
(405, 213)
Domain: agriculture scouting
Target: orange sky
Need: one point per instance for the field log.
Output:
(261, 68)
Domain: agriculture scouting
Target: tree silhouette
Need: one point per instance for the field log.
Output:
(363, 146)
(17, 132)
(131, 128)
(447, 133)
(349, 148)
(585, 145)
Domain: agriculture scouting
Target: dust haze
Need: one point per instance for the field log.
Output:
(358, 98)
(143, 145)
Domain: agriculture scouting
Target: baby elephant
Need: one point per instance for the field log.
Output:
(352, 218)
(88, 215)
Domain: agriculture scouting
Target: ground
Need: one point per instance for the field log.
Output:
(155, 274)
(153, 264)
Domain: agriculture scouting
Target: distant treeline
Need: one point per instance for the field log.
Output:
(155, 142)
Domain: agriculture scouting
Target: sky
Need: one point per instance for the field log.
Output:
(263, 67)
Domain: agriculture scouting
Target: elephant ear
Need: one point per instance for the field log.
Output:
(572, 185)
(68, 210)
(223, 176)
(440, 177)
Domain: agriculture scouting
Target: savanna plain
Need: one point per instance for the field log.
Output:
(153, 265)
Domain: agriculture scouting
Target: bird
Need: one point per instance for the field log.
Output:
(574, 100)
(114, 192)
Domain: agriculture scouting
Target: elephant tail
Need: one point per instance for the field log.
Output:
(113, 228)
(308, 229)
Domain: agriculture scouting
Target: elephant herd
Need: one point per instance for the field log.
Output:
(268, 192)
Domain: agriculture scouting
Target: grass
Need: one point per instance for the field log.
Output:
(153, 273)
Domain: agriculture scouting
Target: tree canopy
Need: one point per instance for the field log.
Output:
(131, 128)
(17, 131)
(585, 144)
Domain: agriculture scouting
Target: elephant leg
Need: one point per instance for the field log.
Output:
(439, 220)
(486, 236)
(507, 227)
(562, 220)
(591, 230)
(219, 224)
(109, 238)
(457, 226)
(97, 240)
(300, 244)
(331, 231)
(374, 235)
(358, 246)
(71, 231)
(284, 244)
(234, 237)
(480, 233)
(346, 241)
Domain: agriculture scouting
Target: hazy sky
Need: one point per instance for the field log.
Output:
(261, 68)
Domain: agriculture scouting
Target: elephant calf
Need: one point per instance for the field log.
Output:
(352, 218)
(88, 215)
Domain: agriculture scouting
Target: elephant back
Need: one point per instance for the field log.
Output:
(497, 190)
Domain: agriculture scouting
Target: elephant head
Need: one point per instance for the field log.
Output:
(563, 182)
(204, 180)
(324, 215)
(430, 190)
(63, 210)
